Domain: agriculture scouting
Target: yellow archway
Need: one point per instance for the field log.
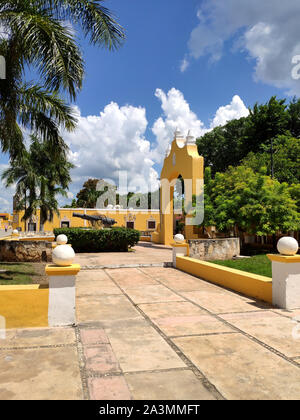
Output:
(182, 158)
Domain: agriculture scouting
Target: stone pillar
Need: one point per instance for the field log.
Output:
(62, 278)
(61, 310)
(180, 247)
(286, 275)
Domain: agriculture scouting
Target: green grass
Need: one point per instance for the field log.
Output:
(17, 273)
(259, 264)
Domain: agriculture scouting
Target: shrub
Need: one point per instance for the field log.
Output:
(90, 240)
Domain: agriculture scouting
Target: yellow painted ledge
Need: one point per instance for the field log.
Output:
(284, 258)
(145, 238)
(55, 270)
(24, 306)
(252, 285)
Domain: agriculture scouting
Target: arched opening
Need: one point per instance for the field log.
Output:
(178, 206)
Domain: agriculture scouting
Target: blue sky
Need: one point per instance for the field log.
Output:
(235, 54)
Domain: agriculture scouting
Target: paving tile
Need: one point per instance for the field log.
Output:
(40, 374)
(171, 385)
(242, 369)
(98, 288)
(139, 347)
(182, 318)
(169, 309)
(35, 337)
(191, 325)
(177, 280)
(290, 314)
(222, 302)
(93, 336)
(130, 277)
(100, 359)
(270, 328)
(148, 294)
(104, 308)
(109, 388)
(92, 275)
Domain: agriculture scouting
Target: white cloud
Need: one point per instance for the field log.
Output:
(235, 110)
(184, 65)
(176, 114)
(6, 194)
(115, 140)
(110, 142)
(267, 30)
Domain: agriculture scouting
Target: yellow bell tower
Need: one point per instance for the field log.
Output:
(182, 158)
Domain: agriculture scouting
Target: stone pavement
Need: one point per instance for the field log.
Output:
(143, 253)
(156, 333)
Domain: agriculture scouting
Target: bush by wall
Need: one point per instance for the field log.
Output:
(90, 240)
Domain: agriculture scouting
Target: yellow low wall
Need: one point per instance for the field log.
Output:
(252, 285)
(24, 306)
(145, 238)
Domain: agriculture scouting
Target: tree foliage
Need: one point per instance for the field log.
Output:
(251, 202)
(36, 34)
(274, 121)
(39, 179)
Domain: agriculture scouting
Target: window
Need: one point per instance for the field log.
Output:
(31, 227)
(65, 224)
(130, 225)
(151, 224)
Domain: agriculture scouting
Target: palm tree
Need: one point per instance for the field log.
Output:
(35, 36)
(39, 179)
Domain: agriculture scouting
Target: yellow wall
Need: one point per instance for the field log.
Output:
(6, 220)
(139, 218)
(24, 306)
(253, 285)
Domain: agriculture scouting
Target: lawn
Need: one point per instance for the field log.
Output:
(259, 264)
(21, 273)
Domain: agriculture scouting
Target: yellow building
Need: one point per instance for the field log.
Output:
(142, 220)
(181, 160)
(5, 220)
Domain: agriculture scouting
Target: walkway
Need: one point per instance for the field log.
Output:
(155, 333)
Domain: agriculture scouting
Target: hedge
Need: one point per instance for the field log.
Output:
(105, 240)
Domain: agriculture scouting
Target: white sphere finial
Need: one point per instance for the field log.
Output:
(287, 246)
(63, 255)
(190, 139)
(179, 238)
(62, 240)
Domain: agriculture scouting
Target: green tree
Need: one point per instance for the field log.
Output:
(222, 146)
(88, 195)
(286, 159)
(294, 117)
(37, 36)
(251, 202)
(264, 123)
(39, 179)
(229, 145)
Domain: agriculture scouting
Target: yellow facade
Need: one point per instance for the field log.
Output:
(182, 159)
(5, 220)
(142, 220)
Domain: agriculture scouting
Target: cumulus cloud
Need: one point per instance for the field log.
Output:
(267, 30)
(115, 141)
(235, 110)
(176, 114)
